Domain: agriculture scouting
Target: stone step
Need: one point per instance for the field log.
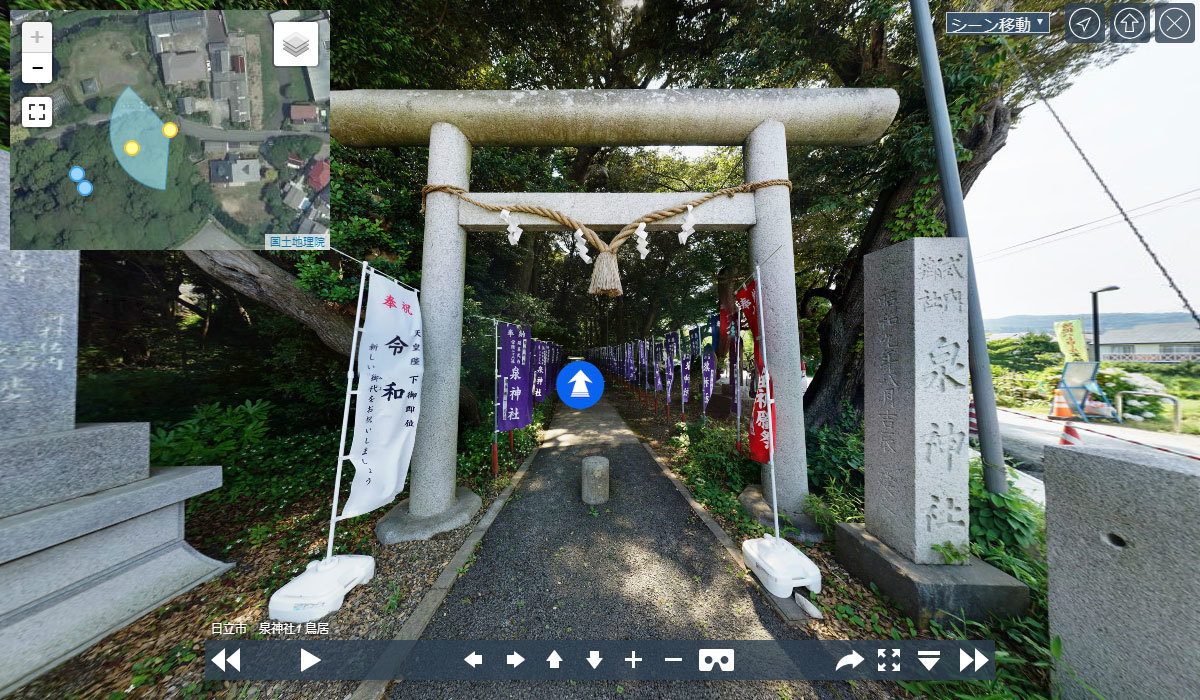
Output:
(55, 630)
(50, 525)
(37, 470)
(47, 573)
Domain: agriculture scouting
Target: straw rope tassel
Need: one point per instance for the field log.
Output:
(606, 276)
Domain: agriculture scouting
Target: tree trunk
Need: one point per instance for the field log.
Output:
(267, 283)
(839, 380)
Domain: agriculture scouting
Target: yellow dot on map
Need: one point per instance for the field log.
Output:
(170, 129)
(132, 148)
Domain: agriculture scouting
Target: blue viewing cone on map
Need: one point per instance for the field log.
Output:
(579, 384)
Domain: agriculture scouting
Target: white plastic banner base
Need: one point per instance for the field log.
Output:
(321, 589)
(780, 566)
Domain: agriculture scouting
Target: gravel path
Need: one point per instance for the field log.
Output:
(641, 566)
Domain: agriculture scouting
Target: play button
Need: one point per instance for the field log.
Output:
(308, 660)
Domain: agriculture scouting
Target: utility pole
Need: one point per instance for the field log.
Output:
(991, 448)
(1096, 320)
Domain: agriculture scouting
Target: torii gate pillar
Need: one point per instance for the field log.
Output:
(434, 505)
(765, 156)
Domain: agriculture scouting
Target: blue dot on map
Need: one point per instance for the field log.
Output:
(84, 187)
(75, 173)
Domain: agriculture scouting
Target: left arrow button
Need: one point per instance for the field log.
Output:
(474, 658)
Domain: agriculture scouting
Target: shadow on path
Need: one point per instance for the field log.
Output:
(641, 566)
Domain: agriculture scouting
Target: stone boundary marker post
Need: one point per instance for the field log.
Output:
(916, 405)
(594, 480)
(1123, 551)
(90, 537)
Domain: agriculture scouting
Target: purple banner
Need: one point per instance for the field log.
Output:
(708, 372)
(714, 329)
(647, 365)
(695, 335)
(685, 378)
(541, 366)
(656, 363)
(672, 343)
(516, 395)
(630, 367)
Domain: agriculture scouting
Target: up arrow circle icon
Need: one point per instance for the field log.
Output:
(580, 385)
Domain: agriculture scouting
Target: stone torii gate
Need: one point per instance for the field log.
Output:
(763, 122)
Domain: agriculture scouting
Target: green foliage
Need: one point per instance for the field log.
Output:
(837, 503)
(475, 445)
(47, 212)
(1008, 520)
(1033, 352)
(213, 435)
(277, 149)
(952, 553)
(835, 453)
(714, 471)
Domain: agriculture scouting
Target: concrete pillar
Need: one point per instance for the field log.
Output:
(765, 156)
(434, 505)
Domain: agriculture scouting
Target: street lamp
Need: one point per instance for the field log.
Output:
(1096, 319)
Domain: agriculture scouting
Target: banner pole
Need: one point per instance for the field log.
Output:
(337, 480)
(495, 398)
(762, 333)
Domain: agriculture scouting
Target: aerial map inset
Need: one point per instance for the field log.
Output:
(153, 130)
(138, 140)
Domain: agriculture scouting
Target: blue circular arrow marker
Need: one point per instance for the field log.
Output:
(579, 384)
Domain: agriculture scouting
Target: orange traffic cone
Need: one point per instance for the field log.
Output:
(1059, 408)
(1070, 436)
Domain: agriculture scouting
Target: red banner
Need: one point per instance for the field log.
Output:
(761, 439)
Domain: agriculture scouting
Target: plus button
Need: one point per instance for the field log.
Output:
(633, 659)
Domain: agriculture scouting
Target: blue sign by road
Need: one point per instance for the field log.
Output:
(579, 384)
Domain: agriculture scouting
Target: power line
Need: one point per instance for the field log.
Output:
(1045, 240)
(1078, 149)
(1089, 223)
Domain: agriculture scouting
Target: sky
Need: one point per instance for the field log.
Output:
(1136, 120)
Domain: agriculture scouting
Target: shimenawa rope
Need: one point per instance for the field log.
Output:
(606, 278)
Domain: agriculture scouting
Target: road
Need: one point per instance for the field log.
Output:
(1025, 435)
(58, 131)
(210, 133)
(200, 131)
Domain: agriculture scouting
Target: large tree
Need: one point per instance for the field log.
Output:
(847, 202)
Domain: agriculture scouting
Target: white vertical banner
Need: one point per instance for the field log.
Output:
(390, 367)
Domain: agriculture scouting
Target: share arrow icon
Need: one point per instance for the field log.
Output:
(853, 659)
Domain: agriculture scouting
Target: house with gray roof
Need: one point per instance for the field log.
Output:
(233, 171)
(178, 68)
(1151, 342)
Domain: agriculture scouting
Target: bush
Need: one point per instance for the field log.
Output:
(213, 435)
(714, 471)
(835, 453)
(475, 445)
(1009, 520)
(1137, 408)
